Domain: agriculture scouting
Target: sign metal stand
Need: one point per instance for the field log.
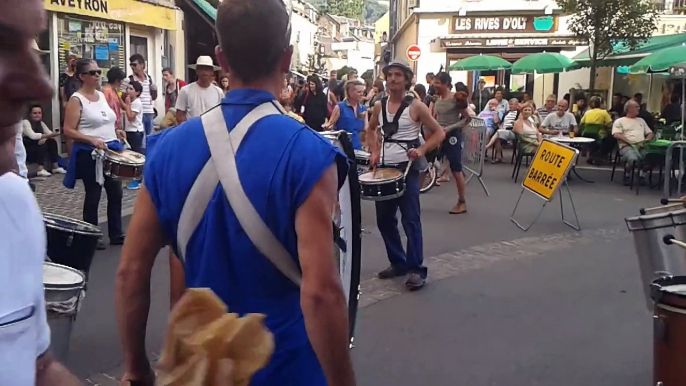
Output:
(547, 173)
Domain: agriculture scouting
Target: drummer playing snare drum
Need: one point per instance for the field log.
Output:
(398, 78)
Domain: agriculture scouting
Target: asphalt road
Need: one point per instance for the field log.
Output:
(550, 306)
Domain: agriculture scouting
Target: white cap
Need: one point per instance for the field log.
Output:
(204, 61)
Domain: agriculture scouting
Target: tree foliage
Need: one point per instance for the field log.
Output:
(366, 10)
(345, 70)
(374, 10)
(607, 23)
(353, 9)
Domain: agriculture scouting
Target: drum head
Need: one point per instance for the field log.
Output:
(59, 276)
(666, 216)
(69, 224)
(348, 218)
(126, 157)
(381, 175)
(669, 290)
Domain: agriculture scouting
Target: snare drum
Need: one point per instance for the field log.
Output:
(655, 258)
(71, 242)
(124, 165)
(62, 286)
(669, 330)
(382, 184)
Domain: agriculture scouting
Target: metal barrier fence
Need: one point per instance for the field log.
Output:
(474, 140)
(675, 169)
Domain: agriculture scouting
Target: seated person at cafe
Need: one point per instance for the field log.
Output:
(562, 121)
(505, 132)
(40, 144)
(631, 132)
(530, 138)
(491, 117)
(595, 123)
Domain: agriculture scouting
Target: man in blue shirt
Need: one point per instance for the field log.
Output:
(286, 173)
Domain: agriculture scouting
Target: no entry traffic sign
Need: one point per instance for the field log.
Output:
(414, 52)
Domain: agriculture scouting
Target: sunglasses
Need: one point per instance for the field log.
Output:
(92, 72)
(133, 64)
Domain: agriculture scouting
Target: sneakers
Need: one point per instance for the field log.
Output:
(43, 173)
(59, 171)
(390, 273)
(133, 185)
(415, 282)
(459, 208)
(118, 240)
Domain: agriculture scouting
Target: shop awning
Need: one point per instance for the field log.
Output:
(622, 56)
(208, 8)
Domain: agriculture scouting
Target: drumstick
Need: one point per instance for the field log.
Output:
(126, 143)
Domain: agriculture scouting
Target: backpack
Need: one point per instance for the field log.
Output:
(153, 93)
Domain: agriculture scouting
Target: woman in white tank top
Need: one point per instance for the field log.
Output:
(90, 122)
(529, 135)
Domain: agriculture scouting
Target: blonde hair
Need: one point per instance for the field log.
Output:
(529, 104)
(351, 83)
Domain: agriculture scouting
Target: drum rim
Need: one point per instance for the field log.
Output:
(344, 143)
(638, 223)
(61, 287)
(125, 163)
(401, 176)
(94, 229)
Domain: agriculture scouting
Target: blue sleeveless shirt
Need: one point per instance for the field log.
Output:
(279, 162)
(353, 124)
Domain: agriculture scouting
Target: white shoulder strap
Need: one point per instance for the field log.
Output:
(222, 168)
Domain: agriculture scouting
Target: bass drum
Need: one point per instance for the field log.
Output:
(348, 220)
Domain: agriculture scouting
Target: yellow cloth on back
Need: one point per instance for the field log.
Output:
(205, 345)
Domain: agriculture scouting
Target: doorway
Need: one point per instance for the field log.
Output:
(139, 45)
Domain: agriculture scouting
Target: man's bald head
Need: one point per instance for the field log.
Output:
(253, 35)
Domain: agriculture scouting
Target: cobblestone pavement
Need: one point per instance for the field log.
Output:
(54, 198)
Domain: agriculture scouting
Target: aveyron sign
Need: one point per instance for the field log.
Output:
(516, 42)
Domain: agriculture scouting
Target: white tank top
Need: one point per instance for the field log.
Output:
(408, 130)
(97, 118)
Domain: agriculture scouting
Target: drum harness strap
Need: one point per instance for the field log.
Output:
(221, 168)
(389, 129)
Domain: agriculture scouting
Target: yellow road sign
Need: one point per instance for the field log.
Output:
(549, 168)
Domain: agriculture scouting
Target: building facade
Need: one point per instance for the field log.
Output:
(346, 42)
(304, 37)
(449, 31)
(109, 32)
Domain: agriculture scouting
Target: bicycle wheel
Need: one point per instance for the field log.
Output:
(429, 178)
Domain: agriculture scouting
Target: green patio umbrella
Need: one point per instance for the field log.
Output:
(480, 63)
(660, 61)
(544, 63)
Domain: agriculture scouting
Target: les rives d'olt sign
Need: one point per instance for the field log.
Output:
(504, 24)
(86, 5)
(549, 169)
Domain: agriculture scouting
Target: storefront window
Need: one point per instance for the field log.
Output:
(102, 41)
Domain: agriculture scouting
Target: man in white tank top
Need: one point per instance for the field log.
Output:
(398, 139)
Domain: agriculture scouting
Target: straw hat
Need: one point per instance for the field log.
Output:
(38, 50)
(204, 61)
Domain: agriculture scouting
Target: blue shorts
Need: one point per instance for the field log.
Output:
(452, 150)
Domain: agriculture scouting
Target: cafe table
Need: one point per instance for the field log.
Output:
(578, 141)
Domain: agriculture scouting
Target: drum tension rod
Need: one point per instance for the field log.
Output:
(670, 240)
